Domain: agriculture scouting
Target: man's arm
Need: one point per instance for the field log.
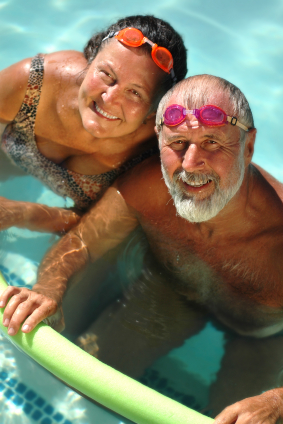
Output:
(108, 223)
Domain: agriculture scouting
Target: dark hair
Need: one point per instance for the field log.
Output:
(156, 30)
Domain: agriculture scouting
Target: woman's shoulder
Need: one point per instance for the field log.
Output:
(63, 65)
(13, 85)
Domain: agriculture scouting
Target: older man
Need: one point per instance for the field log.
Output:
(217, 234)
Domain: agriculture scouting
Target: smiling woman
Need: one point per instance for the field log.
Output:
(78, 120)
(124, 106)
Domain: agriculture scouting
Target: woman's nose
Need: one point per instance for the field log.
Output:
(193, 158)
(111, 94)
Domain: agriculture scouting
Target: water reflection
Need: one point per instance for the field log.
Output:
(146, 331)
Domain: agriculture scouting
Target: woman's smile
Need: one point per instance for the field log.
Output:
(119, 87)
(102, 113)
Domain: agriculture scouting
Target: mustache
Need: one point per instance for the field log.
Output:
(193, 177)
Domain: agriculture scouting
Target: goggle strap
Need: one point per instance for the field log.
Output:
(151, 43)
(110, 35)
(234, 121)
(173, 76)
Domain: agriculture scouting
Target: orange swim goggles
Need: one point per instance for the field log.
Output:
(133, 37)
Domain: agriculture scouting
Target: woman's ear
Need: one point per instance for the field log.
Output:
(149, 117)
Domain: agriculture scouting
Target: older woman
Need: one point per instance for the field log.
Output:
(76, 121)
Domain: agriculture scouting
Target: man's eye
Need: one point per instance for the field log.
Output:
(178, 145)
(211, 144)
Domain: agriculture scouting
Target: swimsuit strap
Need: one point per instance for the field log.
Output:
(30, 103)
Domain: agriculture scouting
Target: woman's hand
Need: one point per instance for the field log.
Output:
(29, 308)
(36, 217)
(266, 408)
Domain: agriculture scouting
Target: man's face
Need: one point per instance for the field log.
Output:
(203, 167)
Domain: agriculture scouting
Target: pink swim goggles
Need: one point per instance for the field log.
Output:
(210, 115)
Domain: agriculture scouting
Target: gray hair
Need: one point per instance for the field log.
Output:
(196, 91)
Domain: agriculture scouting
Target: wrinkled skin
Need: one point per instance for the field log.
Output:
(263, 409)
(29, 302)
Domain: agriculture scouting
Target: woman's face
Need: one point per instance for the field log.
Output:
(117, 91)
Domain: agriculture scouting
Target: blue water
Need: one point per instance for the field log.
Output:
(242, 42)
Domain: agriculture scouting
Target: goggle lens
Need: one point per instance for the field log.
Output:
(174, 115)
(211, 115)
(163, 58)
(131, 37)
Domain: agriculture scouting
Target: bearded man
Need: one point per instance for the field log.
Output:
(216, 248)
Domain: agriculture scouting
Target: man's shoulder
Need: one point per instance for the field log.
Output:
(143, 183)
(271, 181)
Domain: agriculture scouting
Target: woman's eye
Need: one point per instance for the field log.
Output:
(135, 93)
(107, 76)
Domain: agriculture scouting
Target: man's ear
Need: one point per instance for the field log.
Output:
(156, 130)
(249, 146)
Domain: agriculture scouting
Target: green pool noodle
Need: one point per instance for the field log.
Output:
(98, 381)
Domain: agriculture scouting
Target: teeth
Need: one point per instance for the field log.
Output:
(194, 184)
(104, 113)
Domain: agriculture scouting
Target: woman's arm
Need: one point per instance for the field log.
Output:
(13, 85)
(36, 217)
(107, 224)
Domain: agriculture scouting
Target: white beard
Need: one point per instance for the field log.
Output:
(199, 210)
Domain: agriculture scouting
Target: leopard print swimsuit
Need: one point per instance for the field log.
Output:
(18, 142)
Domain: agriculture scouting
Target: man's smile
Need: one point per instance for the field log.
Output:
(198, 184)
(194, 187)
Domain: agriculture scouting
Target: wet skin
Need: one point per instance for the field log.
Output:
(232, 263)
(70, 131)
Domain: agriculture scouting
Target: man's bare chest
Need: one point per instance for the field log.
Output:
(235, 282)
(232, 266)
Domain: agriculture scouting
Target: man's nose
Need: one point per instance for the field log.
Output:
(193, 158)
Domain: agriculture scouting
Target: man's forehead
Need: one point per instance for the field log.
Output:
(216, 97)
(185, 129)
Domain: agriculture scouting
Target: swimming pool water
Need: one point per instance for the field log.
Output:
(242, 43)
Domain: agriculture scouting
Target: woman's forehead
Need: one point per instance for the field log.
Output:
(115, 49)
(130, 64)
